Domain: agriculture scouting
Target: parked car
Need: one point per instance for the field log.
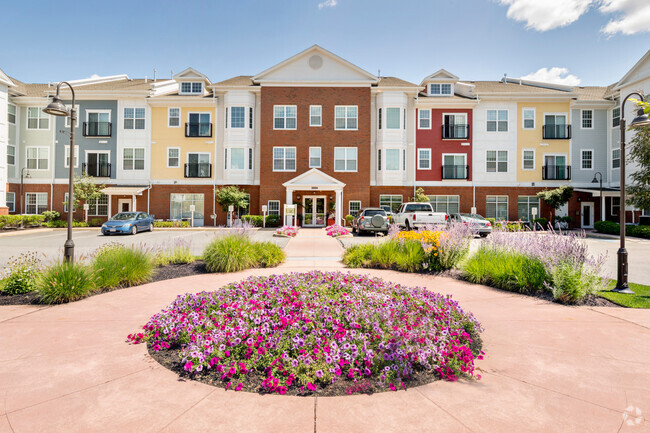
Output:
(371, 219)
(415, 214)
(480, 225)
(128, 223)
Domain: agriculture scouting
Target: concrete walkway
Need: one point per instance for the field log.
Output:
(312, 248)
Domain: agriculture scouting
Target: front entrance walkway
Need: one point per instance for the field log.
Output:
(312, 248)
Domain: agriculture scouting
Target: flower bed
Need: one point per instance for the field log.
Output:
(330, 333)
(336, 231)
(288, 231)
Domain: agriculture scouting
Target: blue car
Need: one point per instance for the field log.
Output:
(128, 223)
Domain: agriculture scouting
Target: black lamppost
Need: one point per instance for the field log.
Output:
(57, 108)
(598, 177)
(22, 196)
(641, 120)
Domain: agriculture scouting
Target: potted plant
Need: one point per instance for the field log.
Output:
(331, 213)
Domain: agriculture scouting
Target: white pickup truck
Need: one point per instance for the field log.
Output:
(414, 214)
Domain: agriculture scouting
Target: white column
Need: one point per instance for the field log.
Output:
(602, 207)
(339, 203)
(288, 200)
(135, 207)
(110, 200)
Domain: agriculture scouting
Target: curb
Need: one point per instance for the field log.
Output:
(26, 231)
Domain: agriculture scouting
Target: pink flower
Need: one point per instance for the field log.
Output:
(239, 387)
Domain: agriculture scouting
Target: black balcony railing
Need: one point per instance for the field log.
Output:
(556, 172)
(460, 132)
(198, 169)
(455, 171)
(97, 169)
(557, 132)
(97, 129)
(198, 129)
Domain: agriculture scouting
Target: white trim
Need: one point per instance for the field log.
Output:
(37, 159)
(428, 150)
(593, 155)
(523, 167)
(611, 205)
(66, 119)
(350, 206)
(244, 165)
(619, 158)
(320, 115)
(591, 205)
(144, 159)
(191, 83)
(384, 119)
(496, 130)
(229, 120)
(41, 114)
(441, 94)
(284, 158)
(12, 201)
(346, 159)
(99, 111)
(66, 154)
(592, 118)
(420, 110)
(169, 117)
(179, 156)
(320, 157)
(37, 208)
(464, 155)
(15, 113)
(496, 168)
(346, 118)
(14, 155)
(268, 204)
(523, 118)
(284, 116)
(385, 158)
(313, 207)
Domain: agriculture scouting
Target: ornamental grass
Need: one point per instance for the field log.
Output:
(65, 282)
(116, 265)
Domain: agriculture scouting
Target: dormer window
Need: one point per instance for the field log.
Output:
(440, 89)
(191, 88)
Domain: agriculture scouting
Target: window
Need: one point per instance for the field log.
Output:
(555, 126)
(37, 158)
(65, 203)
(98, 123)
(616, 158)
(528, 117)
(439, 89)
(379, 119)
(379, 159)
(345, 117)
(497, 161)
(445, 203)
(199, 125)
(174, 117)
(237, 117)
(274, 207)
(66, 119)
(404, 159)
(11, 154)
(497, 120)
(284, 117)
(525, 205)
(497, 207)
(180, 207)
(587, 119)
(133, 158)
(556, 168)
(424, 119)
(11, 114)
(284, 159)
(198, 165)
(250, 117)
(315, 115)
(587, 158)
(11, 201)
(133, 118)
(237, 158)
(97, 164)
(98, 207)
(250, 158)
(393, 118)
(392, 159)
(314, 157)
(67, 156)
(35, 203)
(616, 117)
(424, 159)
(354, 206)
(392, 201)
(454, 166)
(345, 159)
(616, 205)
(528, 159)
(455, 126)
(36, 119)
(191, 88)
(173, 157)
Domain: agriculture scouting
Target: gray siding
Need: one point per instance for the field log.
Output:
(595, 139)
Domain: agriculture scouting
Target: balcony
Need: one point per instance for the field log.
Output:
(97, 129)
(455, 171)
(556, 172)
(556, 132)
(455, 132)
(198, 129)
(200, 169)
(98, 169)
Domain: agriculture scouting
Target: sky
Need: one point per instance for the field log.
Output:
(575, 42)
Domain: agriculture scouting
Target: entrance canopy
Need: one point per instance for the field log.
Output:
(131, 191)
(316, 180)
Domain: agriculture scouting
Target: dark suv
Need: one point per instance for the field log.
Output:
(370, 219)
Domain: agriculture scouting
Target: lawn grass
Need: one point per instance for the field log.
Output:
(640, 298)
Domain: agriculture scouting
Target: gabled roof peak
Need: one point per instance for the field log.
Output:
(191, 74)
(441, 75)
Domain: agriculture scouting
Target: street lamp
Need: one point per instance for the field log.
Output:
(598, 177)
(57, 108)
(641, 120)
(22, 196)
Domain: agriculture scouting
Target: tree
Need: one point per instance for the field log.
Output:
(420, 196)
(231, 196)
(639, 190)
(85, 189)
(556, 198)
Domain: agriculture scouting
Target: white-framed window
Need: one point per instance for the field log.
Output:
(11, 114)
(424, 159)
(98, 123)
(616, 158)
(454, 166)
(67, 156)
(438, 89)
(285, 117)
(134, 118)
(36, 119)
(237, 158)
(98, 207)
(616, 117)
(199, 124)
(11, 154)
(497, 120)
(191, 88)
(315, 115)
(345, 159)
(354, 206)
(237, 117)
(528, 159)
(174, 117)
(424, 119)
(392, 201)
(37, 158)
(615, 205)
(528, 118)
(393, 116)
(496, 161)
(345, 117)
(392, 159)
(133, 158)
(274, 207)
(587, 159)
(314, 157)
(67, 119)
(65, 203)
(496, 206)
(445, 203)
(173, 157)
(525, 205)
(454, 126)
(11, 201)
(284, 159)
(587, 119)
(35, 203)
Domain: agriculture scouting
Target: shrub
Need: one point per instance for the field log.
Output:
(612, 228)
(541, 222)
(273, 220)
(349, 219)
(177, 254)
(269, 255)
(116, 265)
(21, 274)
(96, 222)
(16, 221)
(172, 223)
(65, 282)
(230, 253)
(255, 220)
(50, 215)
(57, 224)
(571, 284)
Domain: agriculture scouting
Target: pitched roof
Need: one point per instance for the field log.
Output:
(394, 82)
(240, 80)
(514, 88)
(590, 93)
(24, 89)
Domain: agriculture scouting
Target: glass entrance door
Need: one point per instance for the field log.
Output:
(314, 212)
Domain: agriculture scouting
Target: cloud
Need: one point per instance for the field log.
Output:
(543, 15)
(327, 4)
(553, 75)
(633, 16)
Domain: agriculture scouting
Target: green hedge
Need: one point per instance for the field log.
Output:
(60, 224)
(175, 223)
(16, 221)
(256, 220)
(612, 228)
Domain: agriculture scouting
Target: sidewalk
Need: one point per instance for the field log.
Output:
(312, 248)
